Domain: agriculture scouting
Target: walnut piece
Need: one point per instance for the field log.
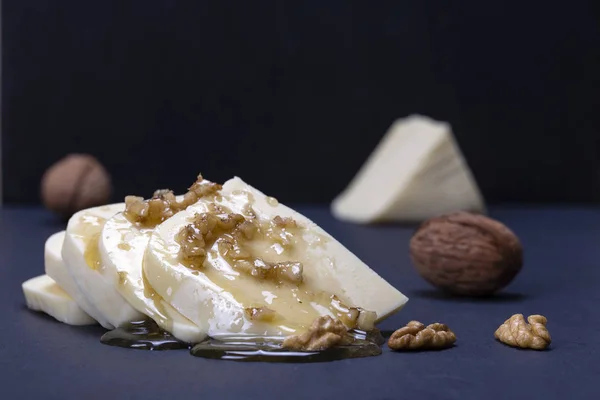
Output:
(324, 333)
(415, 336)
(204, 230)
(281, 231)
(516, 332)
(230, 231)
(286, 222)
(466, 254)
(163, 204)
(263, 314)
(284, 271)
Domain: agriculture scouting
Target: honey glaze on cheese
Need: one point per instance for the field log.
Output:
(91, 253)
(88, 230)
(266, 266)
(158, 313)
(269, 266)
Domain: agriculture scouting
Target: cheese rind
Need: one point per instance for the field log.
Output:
(122, 247)
(82, 259)
(211, 305)
(42, 293)
(416, 172)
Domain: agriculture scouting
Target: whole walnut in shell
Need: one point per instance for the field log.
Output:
(466, 254)
(74, 183)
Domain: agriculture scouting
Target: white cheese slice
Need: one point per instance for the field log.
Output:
(122, 247)
(215, 297)
(56, 269)
(82, 259)
(416, 172)
(43, 294)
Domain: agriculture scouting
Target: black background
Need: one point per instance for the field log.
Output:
(293, 96)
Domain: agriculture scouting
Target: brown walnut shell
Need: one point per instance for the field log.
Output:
(466, 254)
(74, 183)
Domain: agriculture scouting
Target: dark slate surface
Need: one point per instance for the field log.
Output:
(40, 358)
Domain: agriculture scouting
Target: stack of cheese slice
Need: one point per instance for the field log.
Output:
(106, 269)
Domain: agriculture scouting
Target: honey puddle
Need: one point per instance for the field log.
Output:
(144, 335)
(147, 335)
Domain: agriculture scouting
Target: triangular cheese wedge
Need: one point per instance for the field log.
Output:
(416, 172)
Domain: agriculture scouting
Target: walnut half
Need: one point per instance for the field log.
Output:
(516, 332)
(324, 333)
(415, 336)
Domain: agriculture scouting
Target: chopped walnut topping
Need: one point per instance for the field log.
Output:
(201, 188)
(248, 229)
(164, 194)
(263, 314)
(192, 245)
(163, 204)
(228, 222)
(288, 271)
(231, 249)
(286, 222)
(230, 230)
(281, 231)
(324, 333)
(353, 317)
(283, 271)
(195, 238)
